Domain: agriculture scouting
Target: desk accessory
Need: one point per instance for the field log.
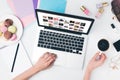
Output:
(101, 5)
(99, 12)
(53, 5)
(115, 62)
(22, 60)
(15, 58)
(100, 8)
(103, 45)
(85, 10)
(117, 45)
(115, 28)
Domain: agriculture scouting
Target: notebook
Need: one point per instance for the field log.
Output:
(22, 62)
(52, 5)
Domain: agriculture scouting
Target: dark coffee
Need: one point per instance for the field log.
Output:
(103, 45)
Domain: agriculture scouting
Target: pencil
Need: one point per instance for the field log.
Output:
(15, 58)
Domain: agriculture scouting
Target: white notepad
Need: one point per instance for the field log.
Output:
(22, 61)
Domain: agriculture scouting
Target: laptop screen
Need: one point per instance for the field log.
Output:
(64, 22)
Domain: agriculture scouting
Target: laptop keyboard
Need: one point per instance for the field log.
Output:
(61, 42)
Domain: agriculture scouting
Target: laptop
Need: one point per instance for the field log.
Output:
(63, 34)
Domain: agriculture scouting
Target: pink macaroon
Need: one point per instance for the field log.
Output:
(14, 37)
(3, 29)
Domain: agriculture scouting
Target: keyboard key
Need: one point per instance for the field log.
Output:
(74, 51)
(47, 46)
(39, 45)
(57, 48)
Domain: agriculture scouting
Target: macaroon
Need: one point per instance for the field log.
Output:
(8, 35)
(14, 37)
(1, 33)
(8, 22)
(3, 29)
(12, 29)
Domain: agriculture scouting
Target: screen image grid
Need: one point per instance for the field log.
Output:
(63, 22)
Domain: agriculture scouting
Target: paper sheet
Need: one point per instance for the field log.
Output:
(23, 9)
(35, 3)
(22, 61)
(53, 5)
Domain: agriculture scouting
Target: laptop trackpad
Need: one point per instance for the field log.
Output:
(69, 60)
(75, 61)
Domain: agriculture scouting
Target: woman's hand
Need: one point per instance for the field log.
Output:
(96, 63)
(45, 61)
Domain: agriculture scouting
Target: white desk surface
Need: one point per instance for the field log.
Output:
(100, 29)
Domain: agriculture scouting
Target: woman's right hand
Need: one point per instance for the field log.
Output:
(96, 63)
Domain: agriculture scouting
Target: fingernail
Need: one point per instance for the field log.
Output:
(98, 57)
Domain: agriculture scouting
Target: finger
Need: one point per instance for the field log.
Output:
(48, 58)
(103, 57)
(54, 55)
(46, 55)
(51, 61)
(96, 55)
(51, 56)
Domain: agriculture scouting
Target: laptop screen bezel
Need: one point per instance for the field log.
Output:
(66, 15)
